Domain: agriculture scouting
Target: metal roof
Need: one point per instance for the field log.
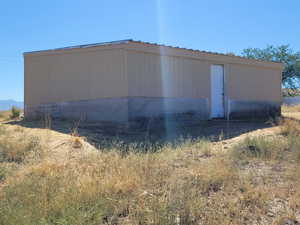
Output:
(126, 41)
(84, 46)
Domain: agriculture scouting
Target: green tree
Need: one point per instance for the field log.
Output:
(284, 54)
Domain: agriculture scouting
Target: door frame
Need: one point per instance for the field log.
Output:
(225, 116)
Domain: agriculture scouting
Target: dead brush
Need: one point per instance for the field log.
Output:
(290, 108)
(17, 149)
(214, 175)
(289, 126)
(47, 121)
(76, 140)
(294, 147)
(264, 148)
(16, 146)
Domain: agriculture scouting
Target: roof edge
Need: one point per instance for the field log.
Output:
(82, 46)
(205, 52)
(126, 41)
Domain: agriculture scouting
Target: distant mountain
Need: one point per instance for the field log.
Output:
(7, 104)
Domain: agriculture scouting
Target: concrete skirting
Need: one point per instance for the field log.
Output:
(156, 107)
(242, 109)
(121, 109)
(135, 108)
(107, 109)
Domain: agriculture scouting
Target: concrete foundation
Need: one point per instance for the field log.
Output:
(129, 109)
(156, 107)
(253, 109)
(108, 109)
(122, 109)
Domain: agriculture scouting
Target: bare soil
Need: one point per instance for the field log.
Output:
(265, 176)
(96, 134)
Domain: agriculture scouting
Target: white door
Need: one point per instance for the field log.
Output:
(217, 91)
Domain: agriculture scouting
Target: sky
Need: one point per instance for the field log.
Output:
(213, 25)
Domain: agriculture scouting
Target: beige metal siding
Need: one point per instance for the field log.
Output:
(253, 83)
(152, 75)
(198, 55)
(157, 79)
(75, 76)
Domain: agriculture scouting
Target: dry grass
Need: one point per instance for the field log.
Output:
(285, 146)
(191, 183)
(5, 115)
(16, 148)
(12, 114)
(289, 126)
(265, 148)
(292, 111)
(290, 108)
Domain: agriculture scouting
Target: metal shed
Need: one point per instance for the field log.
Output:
(126, 80)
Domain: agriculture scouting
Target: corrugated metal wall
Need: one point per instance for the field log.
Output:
(253, 83)
(153, 75)
(179, 80)
(75, 76)
(166, 76)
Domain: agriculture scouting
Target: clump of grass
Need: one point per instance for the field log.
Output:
(264, 148)
(15, 112)
(294, 147)
(214, 175)
(16, 149)
(285, 148)
(289, 127)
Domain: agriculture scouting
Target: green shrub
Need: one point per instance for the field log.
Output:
(15, 112)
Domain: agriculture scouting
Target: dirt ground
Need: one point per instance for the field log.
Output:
(269, 178)
(105, 134)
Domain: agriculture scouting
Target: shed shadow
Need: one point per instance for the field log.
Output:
(148, 135)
